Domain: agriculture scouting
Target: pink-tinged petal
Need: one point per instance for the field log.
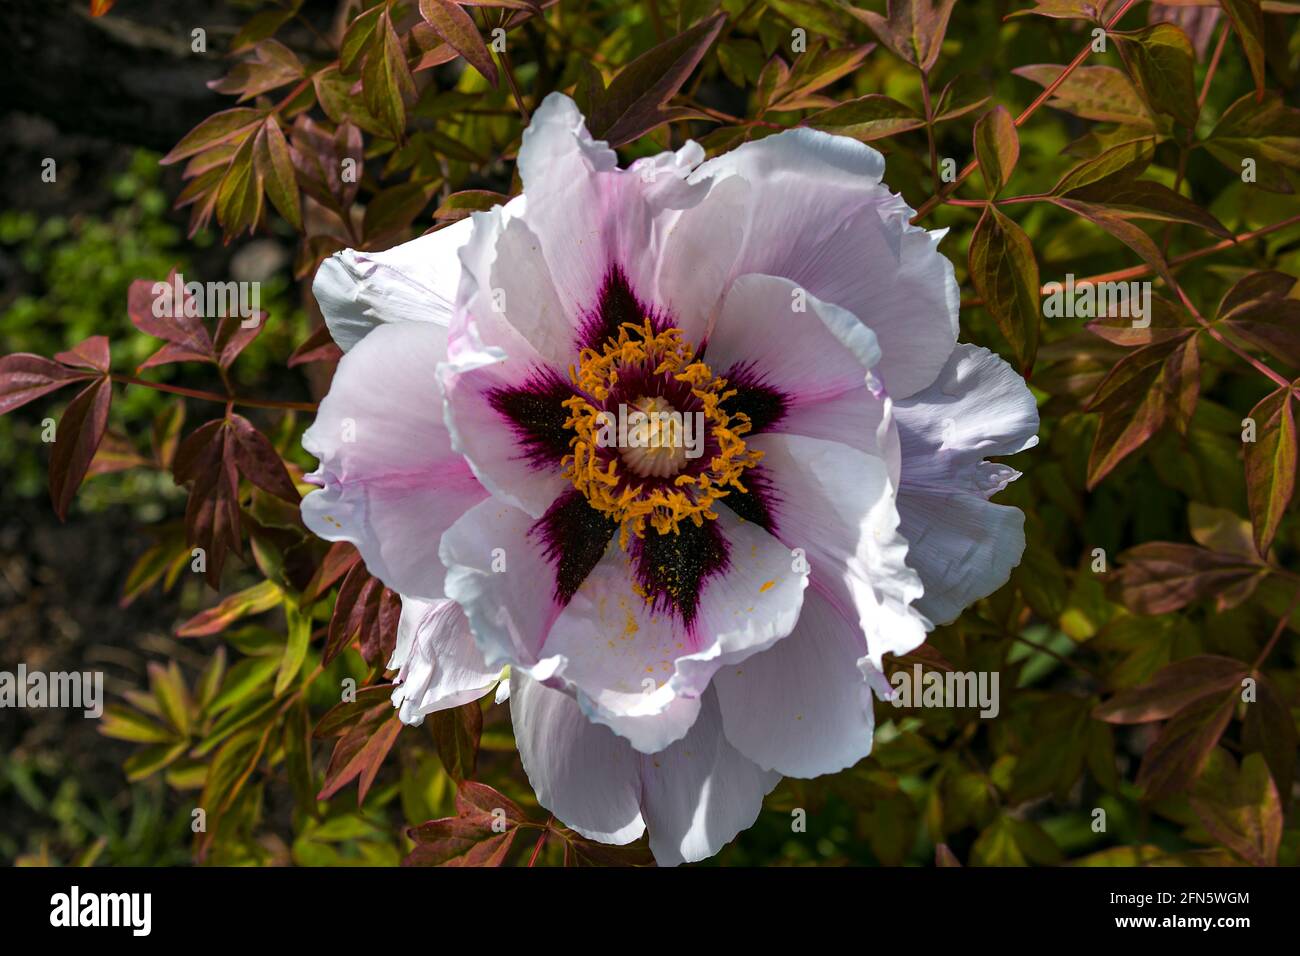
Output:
(580, 771)
(439, 665)
(810, 357)
(816, 213)
(802, 708)
(413, 282)
(509, 350)
(588, 215)
(836, 503)
(391, 483)
(634, 664)
(807, 349)
(498, 573)
(638, 667)
(700, 792)
(694, 796)
(963, 545)
(508, 422)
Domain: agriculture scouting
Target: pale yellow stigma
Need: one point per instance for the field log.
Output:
(658, 448)
(620, 494)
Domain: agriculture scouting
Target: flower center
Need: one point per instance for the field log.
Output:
(657, 438)
(652, 443)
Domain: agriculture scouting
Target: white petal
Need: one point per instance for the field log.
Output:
(802, 708)
(641, 673)
(391, 481)
(589, 215)
(606, 644)
(836, 503)
(700, 792)
(816, 213)
(581, 772)
(961, 544)
(413, 282)
(439, 666)
(510, 610)
(805, 348)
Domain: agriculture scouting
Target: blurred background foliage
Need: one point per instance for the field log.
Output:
(1120, 667)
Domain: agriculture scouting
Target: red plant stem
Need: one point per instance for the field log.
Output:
(541, 840)
(1214, 65)
(942, 195)
(509, 71)
(1277, 633)
(929, 128)
(1227, 343)
(214, 397)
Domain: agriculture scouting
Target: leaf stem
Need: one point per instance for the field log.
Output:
(541, 840)
(1277, 632)
(213, 396)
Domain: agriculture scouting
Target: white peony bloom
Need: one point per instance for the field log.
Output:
(696, 601)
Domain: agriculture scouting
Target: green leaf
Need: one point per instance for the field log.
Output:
(1005, 272)
(239, 197)
(260, 597)
(1119, 163)
(298, 626)
(275, 167)
(1100, 93)
(1240, 807)
(228, 126)
(357, 38)
(867, 118)
(997, 147)
(461, 204)
(1266, 132)
(1063, 10)
(242, 680)
(1118, 226)
(1271, 465)
(1161, 59)
(122, 723)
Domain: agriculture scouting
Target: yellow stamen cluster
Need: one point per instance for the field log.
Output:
(692, 496)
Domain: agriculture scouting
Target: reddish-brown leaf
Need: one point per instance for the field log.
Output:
(259, 462)
(156, 310)
(457, 29)
(77, 436)
(1159, 577)
(24, 378)
(457, 731)
(634, 103)
(91, 354)
(358, 756)
(1176, 757)
(1172, 689)
(317, 347)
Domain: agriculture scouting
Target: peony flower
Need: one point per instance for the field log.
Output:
(688, 446)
